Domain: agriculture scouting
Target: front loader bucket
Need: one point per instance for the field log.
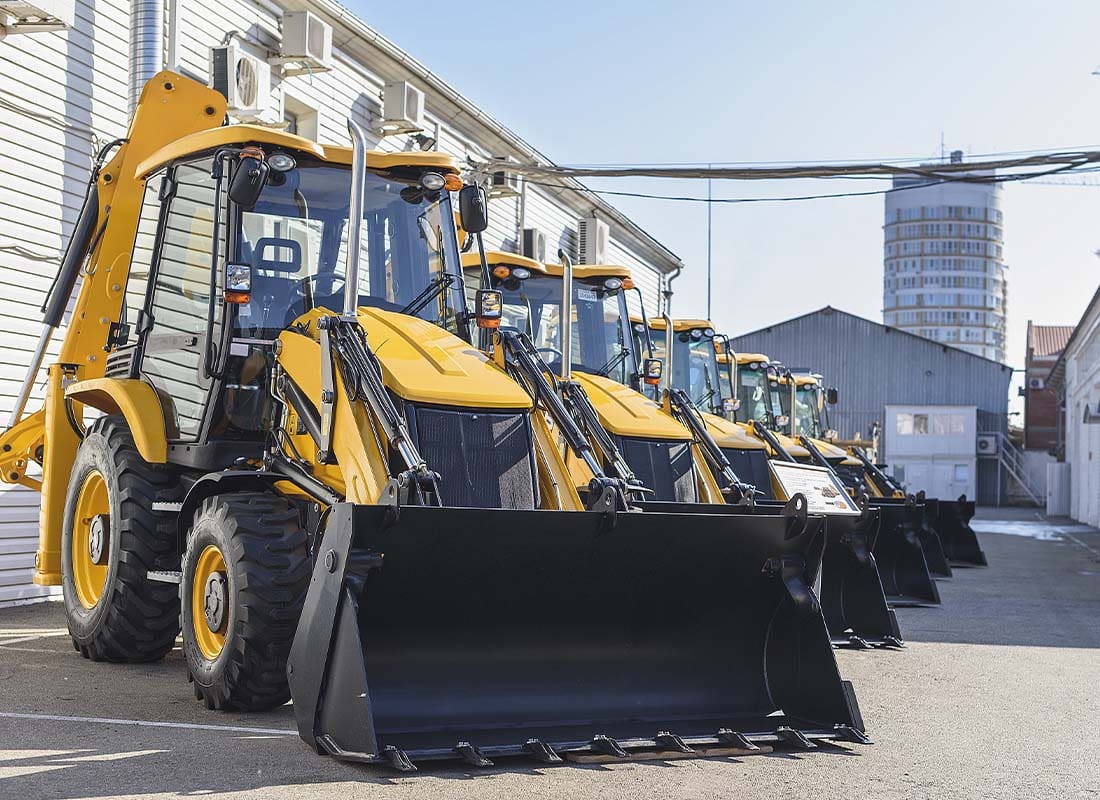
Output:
(930, 539)
(852, 597)
(472, 633)
(900, 556)
(960, 543)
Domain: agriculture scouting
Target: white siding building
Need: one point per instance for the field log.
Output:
(1076, 379)
(943, 265)
(65, 93)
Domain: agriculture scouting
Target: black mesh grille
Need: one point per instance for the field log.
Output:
(663, 466)
(751, 466)
(485, 459)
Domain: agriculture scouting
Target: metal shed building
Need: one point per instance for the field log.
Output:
(873, 365)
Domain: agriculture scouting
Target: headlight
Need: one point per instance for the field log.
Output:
(613, 284)
(281, 162)
(696, 334)
(521, 272)
(432, 181)
(708, 332)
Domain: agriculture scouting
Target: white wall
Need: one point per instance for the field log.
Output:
(932, 448)
(1082, 361)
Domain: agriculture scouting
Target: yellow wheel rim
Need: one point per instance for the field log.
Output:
(210, 602)
(91, 539)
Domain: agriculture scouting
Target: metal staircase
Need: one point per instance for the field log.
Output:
(1011, 460)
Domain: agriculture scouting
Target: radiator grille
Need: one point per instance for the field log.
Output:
(751, 466)
(663, 466)
(486, 460)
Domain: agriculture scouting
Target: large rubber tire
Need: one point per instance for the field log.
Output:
(133, 619)
(265, 556)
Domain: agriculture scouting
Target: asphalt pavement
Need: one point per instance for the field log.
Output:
(996, 695)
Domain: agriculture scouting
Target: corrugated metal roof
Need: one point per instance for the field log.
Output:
(1047, 340)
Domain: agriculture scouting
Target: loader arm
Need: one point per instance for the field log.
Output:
(882, 483)
(680, 406)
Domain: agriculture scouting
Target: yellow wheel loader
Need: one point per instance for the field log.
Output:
(905, 537)
(305, 461)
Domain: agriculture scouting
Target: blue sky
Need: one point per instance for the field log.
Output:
(690, 81)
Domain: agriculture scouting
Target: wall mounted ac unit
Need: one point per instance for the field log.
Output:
(987, 444)
(1036, 383)
(306, 44)
(244, 79)
(504, 183)
(36, 16)
(593, 240)
(402, 108)
(534, 244)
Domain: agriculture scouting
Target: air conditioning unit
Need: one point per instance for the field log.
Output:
(504, 182)
(402, 108)
(1036, 383)
(987, 444)
(594, 238)
(534, 244)
(36, 16)
(244, 79)
(306, 44)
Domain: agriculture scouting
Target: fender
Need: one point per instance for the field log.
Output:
(137, 402)
(219, 483)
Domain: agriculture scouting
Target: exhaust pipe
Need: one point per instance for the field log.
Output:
(566, 316)
(355, 217)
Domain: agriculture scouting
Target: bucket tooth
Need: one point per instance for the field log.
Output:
(670, 741)
(858, 643)
(736, 739)
(541, 751)
(398, 759)
(892, 641)
(472, 755)
(849, 734)
(794, 737)
(608, 746)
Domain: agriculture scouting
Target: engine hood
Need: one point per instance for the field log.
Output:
(625, 412)
(423, 363)
(731, 435)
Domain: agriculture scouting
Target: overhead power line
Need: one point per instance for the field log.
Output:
(970, 172)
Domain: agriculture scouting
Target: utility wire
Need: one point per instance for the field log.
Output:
(1068, 169)
(972, 172)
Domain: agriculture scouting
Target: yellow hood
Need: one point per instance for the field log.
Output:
(625, 412)
(423, 363)
(731, 435)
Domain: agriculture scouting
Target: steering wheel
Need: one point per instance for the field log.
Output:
(552, 350)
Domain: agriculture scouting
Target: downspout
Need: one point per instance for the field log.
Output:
(172, 50)
(146, 44)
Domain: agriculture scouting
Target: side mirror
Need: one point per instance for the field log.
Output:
(238, 283)
(730, 405)
(489, 307)
(830, 435)
(652, 368)
(473, 209)
(782, 421)
(832, 396)
(249, 180)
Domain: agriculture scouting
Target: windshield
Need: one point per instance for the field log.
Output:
(599, 339)
(295, 239)
(807, 410)
(694, 366)
(753, 392)
(725, 386)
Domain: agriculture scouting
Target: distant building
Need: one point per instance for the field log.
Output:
(943, 275)
(874, 366)
(1041, 413)
(1073, 486)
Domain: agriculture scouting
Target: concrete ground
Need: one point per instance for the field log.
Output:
(997, 695)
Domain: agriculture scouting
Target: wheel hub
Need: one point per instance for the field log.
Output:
(215, 601)
(99, 532)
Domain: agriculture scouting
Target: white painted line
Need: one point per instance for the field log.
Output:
(150, 723)
(34, 638)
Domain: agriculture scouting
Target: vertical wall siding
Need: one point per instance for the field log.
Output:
(63, 94)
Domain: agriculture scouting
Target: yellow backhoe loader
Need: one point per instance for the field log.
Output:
(305, 461)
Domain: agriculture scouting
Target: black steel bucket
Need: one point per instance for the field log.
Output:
(960, 543)
(470, 633)
(930, 539)
(902, 567)
(852, 597)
